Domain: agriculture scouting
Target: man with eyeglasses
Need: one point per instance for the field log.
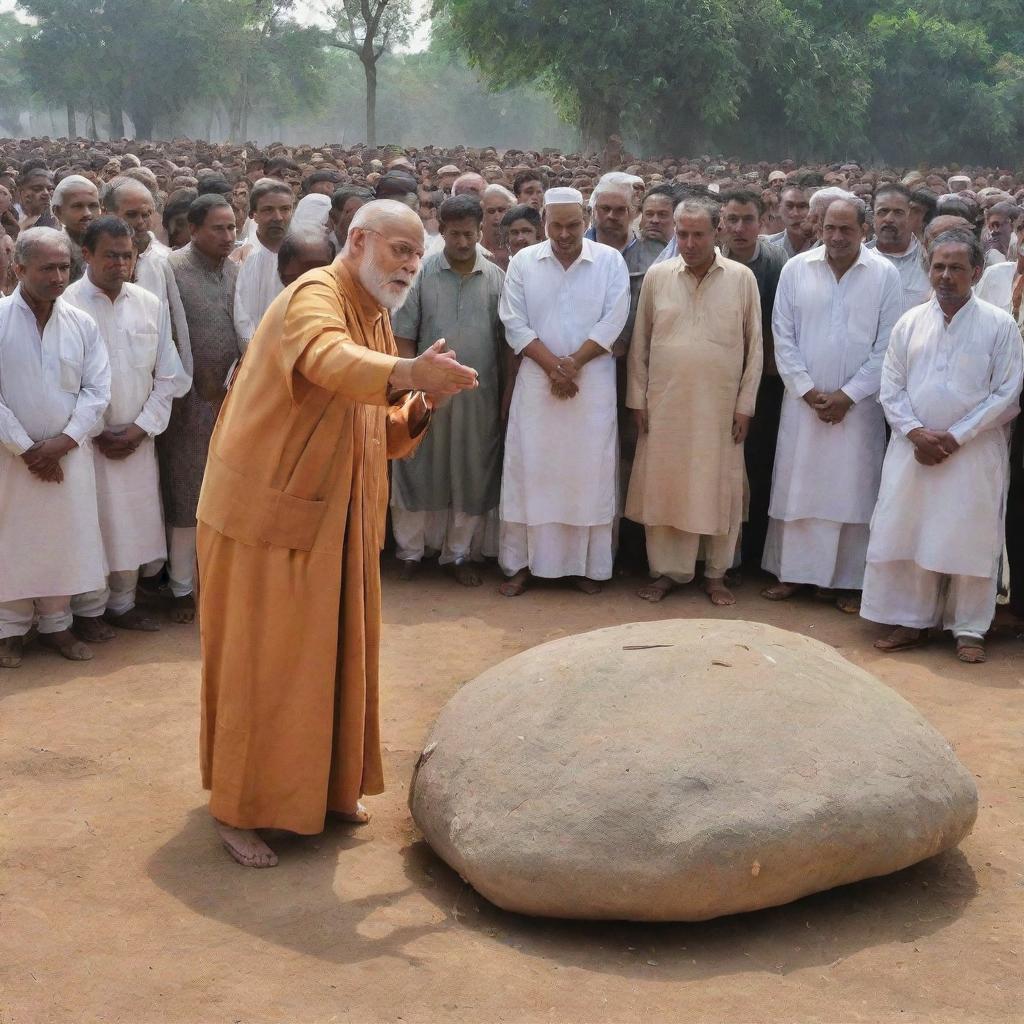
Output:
(291, 523)
(146, 376)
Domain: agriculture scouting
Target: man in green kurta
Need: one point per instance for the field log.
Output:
(443, 496)
(692, 375)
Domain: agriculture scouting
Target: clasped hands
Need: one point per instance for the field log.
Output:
(563, 378)
(43, 458)
(830, 406)
(932, 446)
(119, 442)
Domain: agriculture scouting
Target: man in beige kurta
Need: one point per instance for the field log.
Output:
(691, 378)
(291, 521)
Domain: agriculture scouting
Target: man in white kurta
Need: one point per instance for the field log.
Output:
(146, 375)
(895, 240)
(54, 387)
(564, 303)
(834, 309)
(270, 203)
(692, 376)
(951, 383)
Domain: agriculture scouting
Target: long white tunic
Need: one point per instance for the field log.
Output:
(258, 285)
(50, 384)
(965, 378)
(913, 277)
(148, 271)
(831, 335)
(146, 375)
(561, 455)
(996, 285)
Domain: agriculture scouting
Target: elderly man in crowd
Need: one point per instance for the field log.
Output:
(133, 203)
(693, 372)
(564, 304)
(76, 204)
(271, 204)
(444, 496)
(797, 234)
(834, 309)
(54, 387)
(951, 382)
(206, 283)
(496, 202)
(895, 240)
(291, 525)
(146, 375)
(303, 249)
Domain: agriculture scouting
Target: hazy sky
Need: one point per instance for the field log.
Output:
(311, 11)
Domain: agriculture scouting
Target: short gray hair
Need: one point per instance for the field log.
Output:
(31, 239)
(121, 185)
(699, 204)
(498, 190)
(69, 184)
(954, 236)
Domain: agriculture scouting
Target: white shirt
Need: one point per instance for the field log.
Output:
(831, 335)
(258, 285)
(996, 285)
(965, 378)
(146, 373)
(913, 277)
(560, 454)
(148, 273)
(50, 384)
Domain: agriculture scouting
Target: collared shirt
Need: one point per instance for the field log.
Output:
(833, 334)
(996, 285)
(782, 240)
(916, 286)
(148, 272)
(146, 373)
(766, 266)
(57, 382)
(639, 255)
(565, 307)
(258, 285)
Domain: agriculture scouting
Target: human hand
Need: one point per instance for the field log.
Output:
(565, 369)
(564, 388)
(119, 442)
(833, 407)
(43, 458)
(813, 397)
(438, 372)
(929, 446)
(740, 427)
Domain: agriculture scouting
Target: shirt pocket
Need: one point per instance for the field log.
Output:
(142, 349)
(70, 374)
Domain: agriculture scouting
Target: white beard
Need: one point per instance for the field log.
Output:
(380, 286)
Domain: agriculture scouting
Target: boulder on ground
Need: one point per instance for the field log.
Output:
(681, 770)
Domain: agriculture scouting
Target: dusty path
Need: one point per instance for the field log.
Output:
(118, 904)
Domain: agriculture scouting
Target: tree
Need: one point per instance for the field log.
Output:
(369, 28)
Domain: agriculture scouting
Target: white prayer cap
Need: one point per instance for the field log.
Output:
(614, 181)
(562, 194)
(312, 211)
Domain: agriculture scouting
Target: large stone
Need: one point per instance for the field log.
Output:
(680, 770)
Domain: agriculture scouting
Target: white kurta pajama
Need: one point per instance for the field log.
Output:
(50, 384)
(937, 531)
(913, 276)
(257, 287)
(558, 493)
(829, 335)
(146, 375)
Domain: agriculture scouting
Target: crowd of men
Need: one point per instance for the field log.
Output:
(810, 370)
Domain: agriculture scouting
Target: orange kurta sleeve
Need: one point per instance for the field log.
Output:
(318, 345)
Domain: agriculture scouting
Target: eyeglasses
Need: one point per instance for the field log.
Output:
(400, 250)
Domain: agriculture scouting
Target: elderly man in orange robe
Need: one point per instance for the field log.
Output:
(291, 521)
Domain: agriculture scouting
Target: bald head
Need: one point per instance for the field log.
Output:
(945, 222)
(383, 249)
(469, 183)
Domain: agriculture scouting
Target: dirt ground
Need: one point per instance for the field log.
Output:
(118, 904)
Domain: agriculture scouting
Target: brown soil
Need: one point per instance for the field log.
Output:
(118, 904)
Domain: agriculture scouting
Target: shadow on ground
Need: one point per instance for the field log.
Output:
(302, 905)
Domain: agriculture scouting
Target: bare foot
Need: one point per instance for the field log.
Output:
(466, 574)
(92, 629)
(656, 590)
(245, 846)
(409, 569)
(781, 591)
(66, 645)
(360, 816)
(134, 618)
(515, 585)
(183, 609)
(970, 650)
(902, 638)
(721, 596)
(10, 652)
(586, 585)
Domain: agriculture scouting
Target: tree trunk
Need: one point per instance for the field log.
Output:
(116, 115)
(598, 121)
(72, 127)
(143, 125)
(370, 69)
(93, 134)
